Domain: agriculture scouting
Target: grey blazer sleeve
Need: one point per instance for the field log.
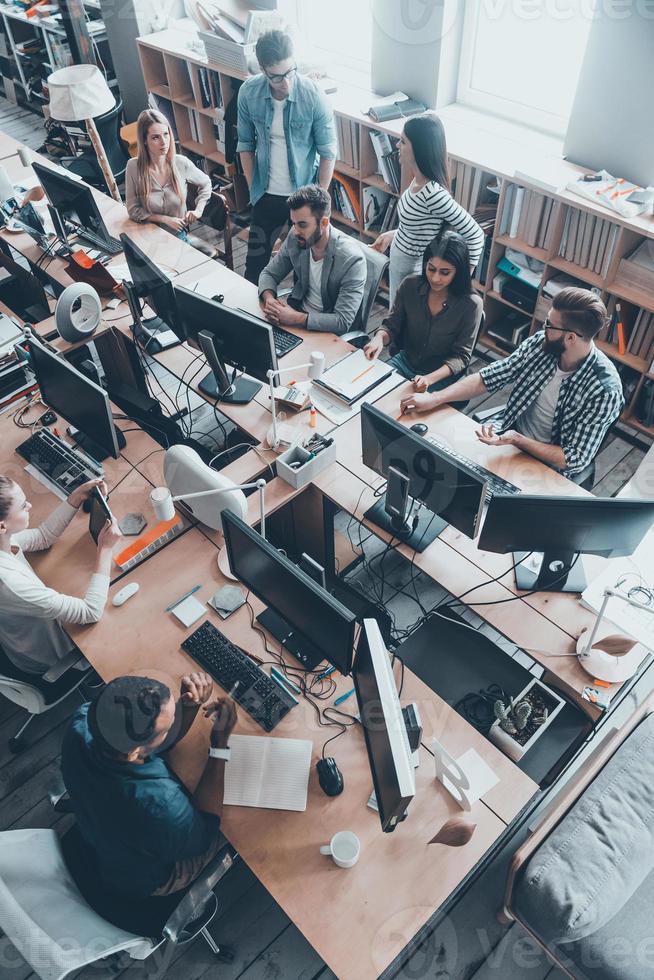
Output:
(348, 301)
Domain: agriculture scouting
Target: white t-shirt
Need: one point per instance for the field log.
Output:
(536, 421)
(313, 299)
(279, 180)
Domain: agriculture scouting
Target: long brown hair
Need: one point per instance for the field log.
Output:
(147, 118)
(427, 137)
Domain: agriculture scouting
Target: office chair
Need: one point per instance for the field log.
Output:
(217, 215)
(39, 694)
(86, 164)
(42, 906)
(376, 266)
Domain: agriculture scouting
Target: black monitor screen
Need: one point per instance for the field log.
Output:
(444, 487)
(78, 399)
(309, 609)
(72, 198)
(609, 526)
(153, 285)
(241, 340)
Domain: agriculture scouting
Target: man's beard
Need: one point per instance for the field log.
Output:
(311, 241)
(555, 347)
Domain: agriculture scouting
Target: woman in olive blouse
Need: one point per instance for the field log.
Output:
(435, 317)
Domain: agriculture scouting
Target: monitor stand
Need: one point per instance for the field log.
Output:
(154, 335)
(240, 392)
(302, 649)
(94, 449)
(555, 573)
(427, 528)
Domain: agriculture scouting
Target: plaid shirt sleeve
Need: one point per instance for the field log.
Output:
(581, 443)
(508, 369)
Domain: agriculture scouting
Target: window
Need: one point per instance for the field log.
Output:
(521, 58)
(338, 33)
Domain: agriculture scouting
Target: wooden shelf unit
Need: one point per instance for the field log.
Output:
(171, 63)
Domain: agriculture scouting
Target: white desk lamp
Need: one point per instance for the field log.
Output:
(81, 92)
(315, 368)
(183, 467)
(621, 659)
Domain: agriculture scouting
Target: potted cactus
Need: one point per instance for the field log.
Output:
(520, 721)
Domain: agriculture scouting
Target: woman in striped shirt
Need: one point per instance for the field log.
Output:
(426, 205)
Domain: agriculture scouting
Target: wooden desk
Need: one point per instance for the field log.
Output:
(8, 146)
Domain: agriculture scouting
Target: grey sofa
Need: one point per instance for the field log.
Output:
(583, 884)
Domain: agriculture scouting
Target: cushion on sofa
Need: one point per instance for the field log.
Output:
(600, 853)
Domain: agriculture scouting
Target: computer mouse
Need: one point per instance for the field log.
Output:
(329, 777)
(419, 428)
(125, 593)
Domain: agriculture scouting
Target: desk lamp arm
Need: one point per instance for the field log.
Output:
(608, 594)
(259, 485)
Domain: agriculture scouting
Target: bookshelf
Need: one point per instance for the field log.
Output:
(562, 234)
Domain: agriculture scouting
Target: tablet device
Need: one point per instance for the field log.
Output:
(99, 514)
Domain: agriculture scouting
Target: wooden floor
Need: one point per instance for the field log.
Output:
(267, 944)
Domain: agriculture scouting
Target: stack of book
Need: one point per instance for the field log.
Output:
(345, 197)
(388, 159)
(637, 270)
(588, 241)
(472, 187)
(209, 84)
(348, 141)
(379, 210)
(528, 216)
(637, 339)
(195, 124)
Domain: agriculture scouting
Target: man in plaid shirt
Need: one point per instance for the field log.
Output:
(566, 393)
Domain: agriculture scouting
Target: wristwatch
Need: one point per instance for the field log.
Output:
(223, 754)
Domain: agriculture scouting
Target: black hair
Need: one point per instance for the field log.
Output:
(124, 715)
(449, 245)
(581, 310)
(426, 134)
(312, 196)
(273, 47)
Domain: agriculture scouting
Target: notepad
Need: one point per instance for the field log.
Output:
(354, 376)
(272, 773)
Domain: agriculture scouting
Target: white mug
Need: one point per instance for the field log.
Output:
(162, 502)
(344, 849)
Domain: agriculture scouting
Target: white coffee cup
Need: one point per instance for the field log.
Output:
(344, 849)
(162, 502)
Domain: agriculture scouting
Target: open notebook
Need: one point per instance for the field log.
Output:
(268, 772)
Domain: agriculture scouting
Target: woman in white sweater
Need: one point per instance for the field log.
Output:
(426, 206)
(157, 179)
(31, 614)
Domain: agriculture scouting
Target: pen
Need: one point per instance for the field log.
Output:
(182, 597)
(343, 697)
(326, 673)
(365, 371)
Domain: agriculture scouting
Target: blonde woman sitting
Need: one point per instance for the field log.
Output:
(157, 179)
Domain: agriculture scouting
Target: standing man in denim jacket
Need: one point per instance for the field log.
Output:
(286, 139)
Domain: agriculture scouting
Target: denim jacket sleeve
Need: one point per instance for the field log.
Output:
(245, 125)
(324, 132)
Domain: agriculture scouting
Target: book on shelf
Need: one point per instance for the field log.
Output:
(387, 157)
(390, 218)
(345, 192)
(393, 174)
(375, 204)
(637, 269)
(524, 214)
(516, 212)
(205, 88)
(507, 208)
(581, 228)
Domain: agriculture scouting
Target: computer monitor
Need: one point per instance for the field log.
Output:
(79, 400)
(311, 624)
(228, 336)
(22, 292)
(449, 492)
(562, 529)
(387, 742)
(73, 199)
(152, 285)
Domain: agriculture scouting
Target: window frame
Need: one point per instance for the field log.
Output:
(352, 66)
(548, 122)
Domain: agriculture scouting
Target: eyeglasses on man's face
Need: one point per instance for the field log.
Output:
(277, 79)
(548, 325)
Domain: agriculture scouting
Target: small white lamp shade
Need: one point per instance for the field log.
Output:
(78, 312)
(79, 92)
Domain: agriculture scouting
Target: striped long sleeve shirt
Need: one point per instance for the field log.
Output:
(422, 216)
(590, 398)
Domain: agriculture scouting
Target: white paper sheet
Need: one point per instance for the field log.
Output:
(272, 773)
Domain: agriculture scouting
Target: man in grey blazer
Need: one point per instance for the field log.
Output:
(329, 267)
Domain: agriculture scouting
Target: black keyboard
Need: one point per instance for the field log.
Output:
(256, 693)
(112, 246)
(51, 456)
(284, 341)
(494, 483)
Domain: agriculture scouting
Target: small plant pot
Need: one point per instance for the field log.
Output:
(513, 745)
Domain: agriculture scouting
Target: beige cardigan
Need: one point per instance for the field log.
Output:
(31, 614)
(164, 200)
